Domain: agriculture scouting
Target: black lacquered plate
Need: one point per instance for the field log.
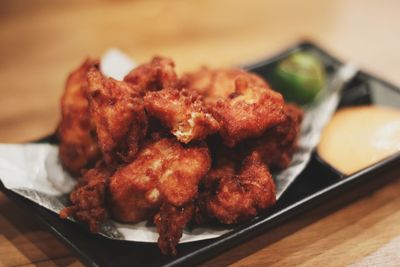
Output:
(316, 186)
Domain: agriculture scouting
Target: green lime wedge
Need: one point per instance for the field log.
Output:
(299, 77)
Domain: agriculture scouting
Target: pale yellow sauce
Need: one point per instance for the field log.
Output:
(358, 137)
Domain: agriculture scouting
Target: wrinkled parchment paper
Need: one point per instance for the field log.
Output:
(34, 171)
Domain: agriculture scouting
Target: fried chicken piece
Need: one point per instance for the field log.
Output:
(88, 198)
(183, 112)
(248, 112)
(160, 178)
(278, 144)
(118, 112)
(78, 147)
(159, 73)
(241, 102)
(235, 192)
(219, 83)
(164, 171)
(170, 221)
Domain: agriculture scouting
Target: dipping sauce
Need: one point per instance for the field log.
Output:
(358, 137)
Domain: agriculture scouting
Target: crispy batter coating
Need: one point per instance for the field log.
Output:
(88, 198)
(278, 144)
(183, 112)
(170, 221)
(235, 192)
(164, 171)
(78, 147)
(159, 73)
(219, 83)
(142, 172)
(118, 113)
(248, 112)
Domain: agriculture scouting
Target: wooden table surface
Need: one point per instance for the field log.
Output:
(42, 40)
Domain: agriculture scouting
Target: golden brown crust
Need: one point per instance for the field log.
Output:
(78, 147)
(183, 112)
(170, 221)
(159, 73)
(219, 83)
(277, 145)
(163, 172)
(145, 173)
(236, 192)
(118, 113)
(248, 112)
(89, 198)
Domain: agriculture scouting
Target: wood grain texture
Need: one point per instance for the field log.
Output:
(42, 40)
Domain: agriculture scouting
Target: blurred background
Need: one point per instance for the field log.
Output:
(43, 40)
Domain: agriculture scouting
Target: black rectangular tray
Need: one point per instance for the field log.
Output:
(318, 185)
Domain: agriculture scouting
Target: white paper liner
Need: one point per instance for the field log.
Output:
(34, 171)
